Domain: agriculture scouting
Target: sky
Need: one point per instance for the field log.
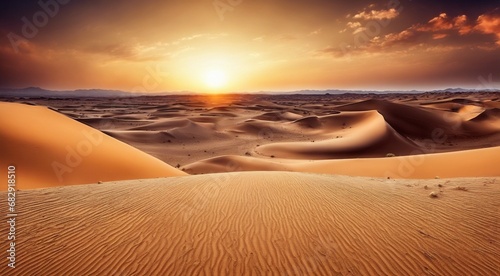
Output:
(249, 45)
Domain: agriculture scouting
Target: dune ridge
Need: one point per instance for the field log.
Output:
(260, 223)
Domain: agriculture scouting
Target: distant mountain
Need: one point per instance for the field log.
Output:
(338, 92)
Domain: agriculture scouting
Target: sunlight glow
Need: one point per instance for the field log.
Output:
(214, 78)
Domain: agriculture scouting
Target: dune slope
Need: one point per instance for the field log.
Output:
(260, 223)
(50, 149)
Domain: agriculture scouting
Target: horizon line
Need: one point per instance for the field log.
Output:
(297, 91)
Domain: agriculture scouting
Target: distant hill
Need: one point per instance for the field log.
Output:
(338, 92)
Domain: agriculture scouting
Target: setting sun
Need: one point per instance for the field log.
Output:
(215, 78)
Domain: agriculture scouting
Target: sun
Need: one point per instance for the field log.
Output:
(215, 78)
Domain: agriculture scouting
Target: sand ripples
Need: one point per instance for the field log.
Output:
(260, 223)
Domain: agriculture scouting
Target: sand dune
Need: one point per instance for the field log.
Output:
(417, 122)
(49, 149)
(482, 162)
(292, 126)
(260, 224)
(492, 115)
(134, 137)
(278, 116)
(348, 134)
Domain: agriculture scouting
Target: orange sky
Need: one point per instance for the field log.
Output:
(257, 45)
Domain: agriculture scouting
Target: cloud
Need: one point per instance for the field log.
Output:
(333, 51)
(316, 32)
(394, 38)
(353, 25)
(430, 35)
(207, 36)
(359, 30)
(128, 51)
(369, 15)
(441, 27)
(115, 50)
(460, 22)
(439, 36)
(444, 23)
(436, 24)
(377, 14)
(489, 24)
(287, 37)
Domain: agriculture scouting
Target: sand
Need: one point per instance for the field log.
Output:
(469, 163)
(49, 149)
(182, 130)
(255, 223)
(286, 185)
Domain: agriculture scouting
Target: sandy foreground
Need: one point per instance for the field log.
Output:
(288, 185)
(258, 223)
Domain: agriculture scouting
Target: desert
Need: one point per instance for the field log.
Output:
(255, 184)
